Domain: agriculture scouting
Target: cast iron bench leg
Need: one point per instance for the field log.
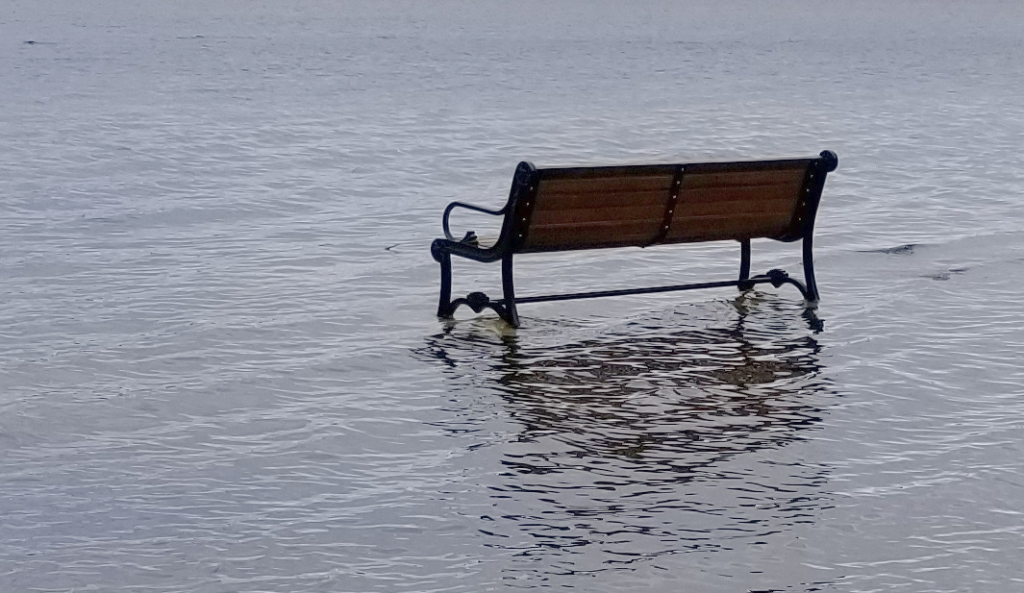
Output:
(444, 305)
(509, 292)
(812, 286)
(744, 265)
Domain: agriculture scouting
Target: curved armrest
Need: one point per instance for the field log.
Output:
(454, 205)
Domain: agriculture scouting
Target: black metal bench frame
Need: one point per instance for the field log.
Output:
(524, 187)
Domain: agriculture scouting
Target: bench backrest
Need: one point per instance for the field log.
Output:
(590, 207)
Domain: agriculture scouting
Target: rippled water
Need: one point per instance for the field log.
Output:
(219, 365)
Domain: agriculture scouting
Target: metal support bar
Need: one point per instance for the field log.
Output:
(506, 308)
(768, 278)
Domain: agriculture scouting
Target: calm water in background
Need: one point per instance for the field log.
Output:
(219, 365)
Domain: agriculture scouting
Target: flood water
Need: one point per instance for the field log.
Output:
(220, 369)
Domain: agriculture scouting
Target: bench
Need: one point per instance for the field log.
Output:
(560, 209)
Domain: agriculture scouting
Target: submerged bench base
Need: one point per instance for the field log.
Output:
(506, 308)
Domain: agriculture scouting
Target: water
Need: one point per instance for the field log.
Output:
(220, 366)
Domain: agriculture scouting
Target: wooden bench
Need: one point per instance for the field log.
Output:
(562, 209)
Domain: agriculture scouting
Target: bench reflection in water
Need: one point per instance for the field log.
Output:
(652, 392)
(672, 439)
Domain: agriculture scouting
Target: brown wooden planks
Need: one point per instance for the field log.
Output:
(589, 208)
(748, 203)
(614, 206)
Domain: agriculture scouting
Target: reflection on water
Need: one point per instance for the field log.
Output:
(657, 437)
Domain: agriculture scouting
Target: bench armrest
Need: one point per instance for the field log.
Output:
(454, 205)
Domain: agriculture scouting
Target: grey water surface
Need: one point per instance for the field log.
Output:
(220, 369)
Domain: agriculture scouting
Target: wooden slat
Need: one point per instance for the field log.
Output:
(616, 184)
(610, 214)
(694, 179)
(590, 235)
(717, 228)
(548, 201)
(686, 210)
(742, 193)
